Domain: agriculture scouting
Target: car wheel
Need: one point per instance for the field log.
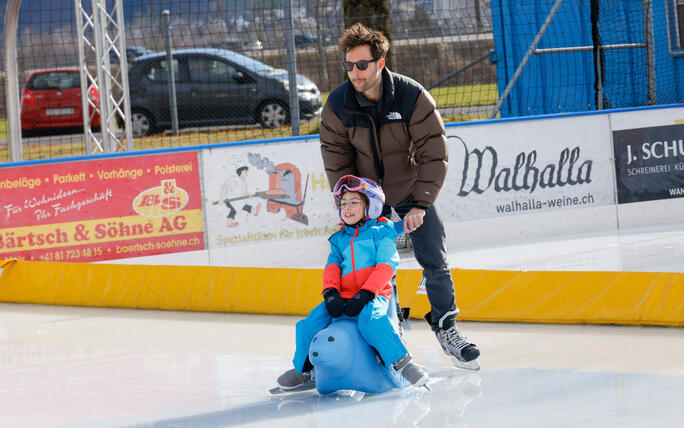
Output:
(26, 133)
(272, 114)
(142, 123)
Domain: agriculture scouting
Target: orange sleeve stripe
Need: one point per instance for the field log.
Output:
(378, 280)
(332, 275)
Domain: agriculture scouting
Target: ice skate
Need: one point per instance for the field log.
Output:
(293, 381)
(411, 371)
(463, 353)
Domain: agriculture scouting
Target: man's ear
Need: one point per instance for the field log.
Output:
(381, 63)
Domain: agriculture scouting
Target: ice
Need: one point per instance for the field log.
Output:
(97, 367)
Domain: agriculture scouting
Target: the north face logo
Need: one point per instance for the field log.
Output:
(394, 115)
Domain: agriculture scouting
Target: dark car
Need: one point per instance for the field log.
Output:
(307, 40)
(132, 52)
(214, 87)
(51, 100)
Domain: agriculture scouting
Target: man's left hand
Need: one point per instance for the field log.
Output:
(413, 219)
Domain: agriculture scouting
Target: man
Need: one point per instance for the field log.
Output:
(385, 126)
(234, 189)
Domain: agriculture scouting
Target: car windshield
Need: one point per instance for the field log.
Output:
(249, 63)
(56, 80)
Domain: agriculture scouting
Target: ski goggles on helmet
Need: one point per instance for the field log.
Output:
(350, 182)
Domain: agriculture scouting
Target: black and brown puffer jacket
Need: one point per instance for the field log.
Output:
(410, 140)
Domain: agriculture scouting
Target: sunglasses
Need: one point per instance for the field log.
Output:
(361, 65)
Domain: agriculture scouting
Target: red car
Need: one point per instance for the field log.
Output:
(51, 100)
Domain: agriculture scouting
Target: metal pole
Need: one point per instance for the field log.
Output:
(291, 68)
(650, 53)
(589, 48)
(598, 64)
(597, 49)
(123, 68)
(526, 58)
(102, 84)
(453, 73)
(83, 76)
(173, 107)
(12, 82)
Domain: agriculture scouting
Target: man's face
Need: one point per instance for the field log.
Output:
(363, 80)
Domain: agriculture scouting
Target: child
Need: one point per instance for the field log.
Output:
(356, 281)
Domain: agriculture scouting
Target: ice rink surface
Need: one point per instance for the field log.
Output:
(88, 367)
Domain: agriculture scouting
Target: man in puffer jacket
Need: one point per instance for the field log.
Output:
(385, 126)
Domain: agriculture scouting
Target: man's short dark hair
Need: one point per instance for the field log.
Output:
(241, 169)
(358, 34)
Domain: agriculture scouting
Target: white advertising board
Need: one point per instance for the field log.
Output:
(521, 179)
(267, 204)
(513, 168)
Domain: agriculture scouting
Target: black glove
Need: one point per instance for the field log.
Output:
(357, 302)
(334, 303)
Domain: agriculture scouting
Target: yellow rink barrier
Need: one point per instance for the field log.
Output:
(636, 298)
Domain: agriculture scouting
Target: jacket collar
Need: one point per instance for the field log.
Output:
(350, 101)
(361, 226)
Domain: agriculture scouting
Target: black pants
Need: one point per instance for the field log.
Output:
(231, 209)
(429, 247)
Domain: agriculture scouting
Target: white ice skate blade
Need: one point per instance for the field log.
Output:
(467, 365)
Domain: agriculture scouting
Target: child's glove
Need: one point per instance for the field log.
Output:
(357, 302)
(334, 303)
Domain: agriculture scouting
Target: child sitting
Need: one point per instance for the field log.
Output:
(356, 281)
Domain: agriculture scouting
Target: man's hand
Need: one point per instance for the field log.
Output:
(413, 219)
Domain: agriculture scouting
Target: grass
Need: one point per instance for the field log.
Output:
(445, 97)
(44, 149)
(466, 95)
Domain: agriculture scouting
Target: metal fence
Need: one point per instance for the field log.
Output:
(230, 58)
(240, 95)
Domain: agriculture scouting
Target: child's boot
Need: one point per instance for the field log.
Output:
(292, 380)
(410, 371)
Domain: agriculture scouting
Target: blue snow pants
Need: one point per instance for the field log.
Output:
(374, 325)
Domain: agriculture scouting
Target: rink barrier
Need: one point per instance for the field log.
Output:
(568, 297)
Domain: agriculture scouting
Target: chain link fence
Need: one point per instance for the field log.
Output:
(230, 64)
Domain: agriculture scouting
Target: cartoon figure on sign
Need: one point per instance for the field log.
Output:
(235, 189)
(284, 188)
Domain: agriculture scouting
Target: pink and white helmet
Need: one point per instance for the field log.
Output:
(366, 186)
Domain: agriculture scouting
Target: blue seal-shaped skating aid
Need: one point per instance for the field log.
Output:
(342, 359)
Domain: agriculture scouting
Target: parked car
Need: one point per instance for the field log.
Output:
(254, 45)
(51, 99)
(228, 44)
(132, 52)
(306, 40)
(237, 45)
(214, 87)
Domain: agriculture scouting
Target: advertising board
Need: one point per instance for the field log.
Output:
(527, 167)
(103, 209)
